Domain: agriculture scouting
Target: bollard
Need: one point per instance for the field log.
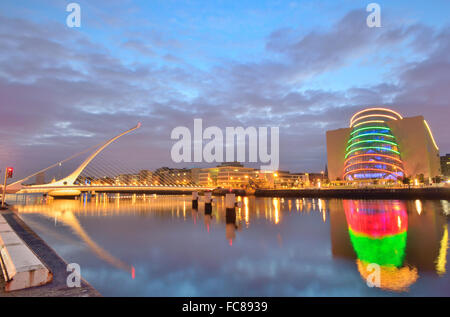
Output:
(208, 209)
(230, 200)
(230, 217)
(208, 202)
(230, 224)
(194, 200)
(208, 198)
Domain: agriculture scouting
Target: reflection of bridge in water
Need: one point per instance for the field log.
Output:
(168, 206)
(64, 212)
(70, 186)
(408, 239)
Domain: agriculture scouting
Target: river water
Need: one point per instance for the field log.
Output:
(156, 245)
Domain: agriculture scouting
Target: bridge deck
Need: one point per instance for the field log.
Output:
(114, 189)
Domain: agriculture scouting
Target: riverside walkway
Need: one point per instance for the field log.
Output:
(360, 193)
(58, 286)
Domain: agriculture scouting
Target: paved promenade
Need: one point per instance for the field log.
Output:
(56, 288)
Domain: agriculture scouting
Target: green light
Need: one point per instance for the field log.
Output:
(370, 141)
(363, 135)
(385, 251)
(369, 128)
(371, 147)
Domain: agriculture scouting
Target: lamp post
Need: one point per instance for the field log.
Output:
(323, 177)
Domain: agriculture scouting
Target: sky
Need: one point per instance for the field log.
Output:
(303, 66)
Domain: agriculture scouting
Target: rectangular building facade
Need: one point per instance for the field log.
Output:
(445, 165)
(419, 152)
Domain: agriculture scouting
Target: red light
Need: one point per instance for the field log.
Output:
(9, 172)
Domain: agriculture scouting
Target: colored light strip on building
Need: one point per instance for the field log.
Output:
(370, 141)
(362, 135)
(374, 154)
(370, 128)
(374, 109)
(431, 134)
(371, 170)
(372, 148)
(371, 162)
(369, 121)
(376, 115)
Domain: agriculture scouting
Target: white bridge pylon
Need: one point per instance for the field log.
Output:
(70, 180)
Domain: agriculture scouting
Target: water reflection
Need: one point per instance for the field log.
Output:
(403, 237)
(63, 211)
(282, 244)
(378, 233)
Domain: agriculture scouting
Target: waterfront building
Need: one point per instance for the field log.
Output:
(172, 176)
(123, 179)
(285, 179)
(445, 165)
(208, 176)
(145, 177)
(380, 144)
(195, 175)
(228, 174)
(314, 179)
(234, 175)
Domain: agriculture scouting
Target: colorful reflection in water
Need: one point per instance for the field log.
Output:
(378, 233)
(267, 247)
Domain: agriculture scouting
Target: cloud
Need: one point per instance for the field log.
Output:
(50, 75)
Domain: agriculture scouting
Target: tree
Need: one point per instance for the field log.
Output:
(421, 178)
(436, 179)
(406, 180)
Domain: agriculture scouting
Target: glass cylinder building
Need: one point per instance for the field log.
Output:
(372, 151)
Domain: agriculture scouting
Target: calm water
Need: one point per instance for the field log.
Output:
(269, 247)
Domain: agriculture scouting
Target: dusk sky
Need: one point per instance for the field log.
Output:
(304, 66)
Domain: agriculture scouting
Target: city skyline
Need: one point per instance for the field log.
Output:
(65, 90)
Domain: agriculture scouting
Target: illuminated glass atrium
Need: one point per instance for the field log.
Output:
(372, 151)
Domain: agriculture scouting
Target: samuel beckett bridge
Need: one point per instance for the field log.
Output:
(163, 180)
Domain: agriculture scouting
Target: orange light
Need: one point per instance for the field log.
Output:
(371, 116)
(431, 134)
(374, 109)
(369, 162)
(373, 154)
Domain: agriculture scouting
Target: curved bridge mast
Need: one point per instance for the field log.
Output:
(70, 180)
